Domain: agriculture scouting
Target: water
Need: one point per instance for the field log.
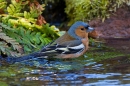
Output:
(99, 67)
(67, 73)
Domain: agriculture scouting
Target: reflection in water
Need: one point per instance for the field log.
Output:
(96, 74)
(84, 71)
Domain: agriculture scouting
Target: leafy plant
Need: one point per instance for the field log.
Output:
(15, 8)
(3, 4)
(20, 8)
(8, 44)
(87, 10)
(30, 40)
(24, 30)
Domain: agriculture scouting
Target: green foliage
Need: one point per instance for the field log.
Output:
(33, 12)
(3, 83)
(7, 44)
(15, 8)
(87, 10)
(19, 33)
(31, 36)
(30, 40)
(21, 8)
(3, 4)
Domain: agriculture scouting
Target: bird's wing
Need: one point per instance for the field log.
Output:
(69, 47)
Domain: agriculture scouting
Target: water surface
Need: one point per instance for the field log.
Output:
(99, 67)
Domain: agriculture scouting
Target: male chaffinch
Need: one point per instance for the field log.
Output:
(72, 44)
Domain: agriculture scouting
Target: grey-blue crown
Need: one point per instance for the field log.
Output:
(71, 31)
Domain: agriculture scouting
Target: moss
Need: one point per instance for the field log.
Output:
(3, 83)
(87, 10)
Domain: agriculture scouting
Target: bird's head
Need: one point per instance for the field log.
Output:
(79, 30)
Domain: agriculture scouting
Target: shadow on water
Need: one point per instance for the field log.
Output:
(101, 66)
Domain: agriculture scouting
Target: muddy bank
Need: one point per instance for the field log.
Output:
(115, 30)
(117, 26)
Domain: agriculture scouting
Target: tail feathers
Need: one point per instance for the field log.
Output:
(18, 59)
(23, 58)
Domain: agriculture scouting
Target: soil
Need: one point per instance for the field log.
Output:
(117, 26)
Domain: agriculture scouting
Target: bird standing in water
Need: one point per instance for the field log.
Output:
(72, 44)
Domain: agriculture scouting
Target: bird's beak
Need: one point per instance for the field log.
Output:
(89, 29)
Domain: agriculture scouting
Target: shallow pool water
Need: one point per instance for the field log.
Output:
(67, 73)
(88, 70)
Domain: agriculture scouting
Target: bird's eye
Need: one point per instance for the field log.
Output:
(86, 27)
(82, 28)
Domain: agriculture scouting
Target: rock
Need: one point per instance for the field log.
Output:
(117, 26)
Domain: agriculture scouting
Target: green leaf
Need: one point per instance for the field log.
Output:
(27, 49)
(37, 37)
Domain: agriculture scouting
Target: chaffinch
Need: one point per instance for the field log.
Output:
(72, 44)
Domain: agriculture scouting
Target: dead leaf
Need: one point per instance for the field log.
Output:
(40, 20)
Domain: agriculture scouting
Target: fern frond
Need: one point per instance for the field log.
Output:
(30, 40)
(3, 4)
(5, 49)
(15, 45)
(5, 26)
(7, 43)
